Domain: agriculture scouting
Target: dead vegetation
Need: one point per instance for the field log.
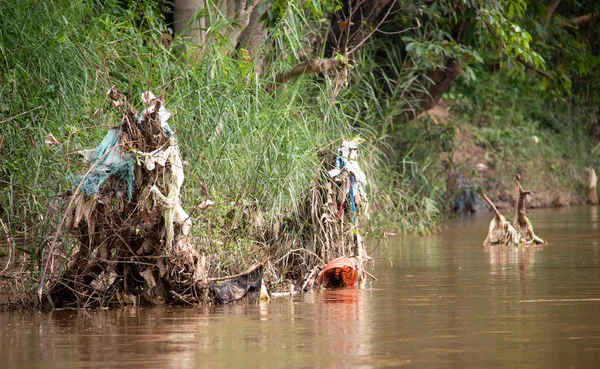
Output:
(526, 234)
(502, 232)
(132, 235)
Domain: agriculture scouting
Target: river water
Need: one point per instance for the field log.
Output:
(441, 301)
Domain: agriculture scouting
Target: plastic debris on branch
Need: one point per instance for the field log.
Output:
(346, 197)
(108, 160)
(347, 161)
(128, 218)
(173, 211)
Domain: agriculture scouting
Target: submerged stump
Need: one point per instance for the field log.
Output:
(524, 226)
(593, 194)
(500, 230)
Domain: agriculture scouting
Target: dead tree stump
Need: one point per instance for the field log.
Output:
(525, 229)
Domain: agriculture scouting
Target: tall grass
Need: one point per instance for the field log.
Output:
(407, 185)
(243, 145)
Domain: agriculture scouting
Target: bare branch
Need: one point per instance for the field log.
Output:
(360, 14)
(398, 32)
(383, 19)
(580, 21)
(492, 206)
(306, 67)
(21, 114)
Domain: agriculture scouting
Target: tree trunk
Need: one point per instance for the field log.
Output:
(194, 29)
(252, 37)
(184, 13)
(440, 82)
(551, 10)
(243, 19)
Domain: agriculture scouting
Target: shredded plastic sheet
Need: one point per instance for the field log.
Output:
(173, 211)
(163, 115)
(109, 160)
(248, 284)
(347, 161)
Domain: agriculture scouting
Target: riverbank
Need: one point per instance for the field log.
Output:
(554, 164)
(252, 150)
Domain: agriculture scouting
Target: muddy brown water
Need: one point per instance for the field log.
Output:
(446, 302)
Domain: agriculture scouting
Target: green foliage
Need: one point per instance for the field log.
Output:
(571, 51)
(509, 38)
(548, 140)
(253, 147)
(248, 146)
(407, 184)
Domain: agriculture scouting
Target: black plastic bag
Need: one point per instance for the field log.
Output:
(247, 284)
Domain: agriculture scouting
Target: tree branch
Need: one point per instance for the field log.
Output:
(533, 68)
(360, 14)
(580, 21)
(306, 67)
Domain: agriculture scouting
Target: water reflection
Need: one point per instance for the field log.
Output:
(320, 329)
(505, 259)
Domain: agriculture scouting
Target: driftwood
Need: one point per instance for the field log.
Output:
(500, 230)
(525, 229)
